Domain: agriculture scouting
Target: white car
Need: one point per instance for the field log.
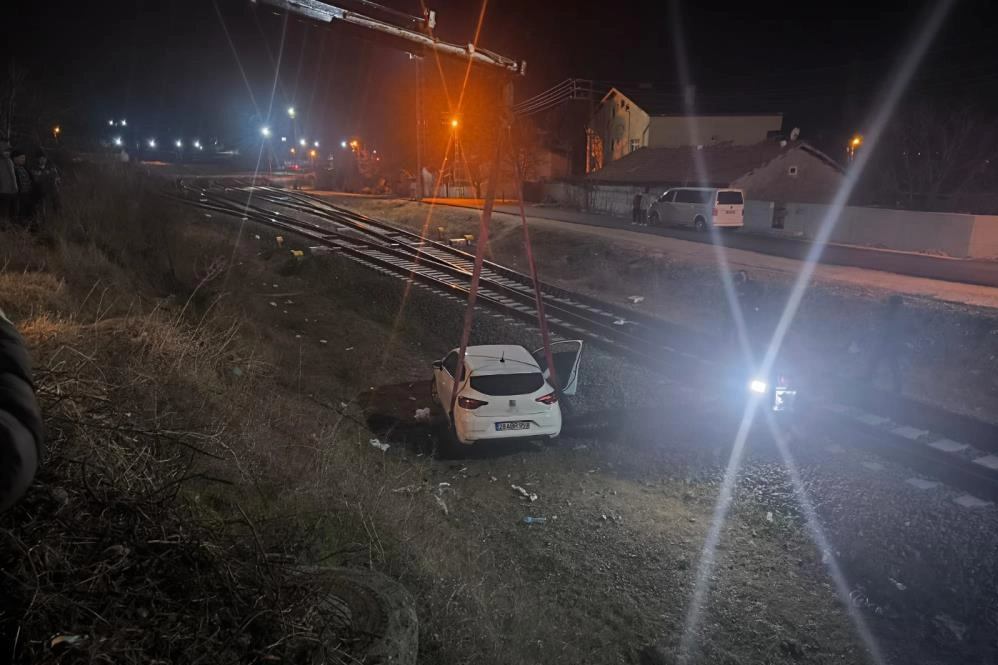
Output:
(505, 391)
(701, 207)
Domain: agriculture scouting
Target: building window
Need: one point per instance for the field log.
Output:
(792, 171)
(635, 144)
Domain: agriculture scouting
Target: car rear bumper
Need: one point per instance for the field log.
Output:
(472, 429)
(721, 223)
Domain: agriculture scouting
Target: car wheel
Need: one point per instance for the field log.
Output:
(434, 395)
(653, 218)
(700, 224)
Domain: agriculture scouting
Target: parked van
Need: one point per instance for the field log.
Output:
(701, 207)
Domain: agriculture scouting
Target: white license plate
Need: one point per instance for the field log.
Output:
(515, 425)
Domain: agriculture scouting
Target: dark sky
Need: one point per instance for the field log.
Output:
(178, 66)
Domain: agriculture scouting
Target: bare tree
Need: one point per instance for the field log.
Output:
(933, 155)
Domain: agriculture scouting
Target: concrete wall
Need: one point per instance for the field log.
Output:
(949, 234)
(795, 175)
(674, 131)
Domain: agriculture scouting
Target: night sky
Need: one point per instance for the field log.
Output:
(206, 68)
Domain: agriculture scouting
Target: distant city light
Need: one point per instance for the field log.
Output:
(197, 144)
(453, 122)
(284, 139)
(124, 124)
(312, 154)
(303, 142)
(265, 131)
(343, 144)
(110, 123)
(291, 112)
(316, 144)
(117, 141)
(56, 131)
(178, 143)
(152, 143)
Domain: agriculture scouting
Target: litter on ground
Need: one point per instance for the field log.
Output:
(530, 496)
(422, 415)
(380, 446)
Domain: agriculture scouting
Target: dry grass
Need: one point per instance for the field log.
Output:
(140, 542)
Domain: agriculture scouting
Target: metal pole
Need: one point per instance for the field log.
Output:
(483, 239)
(419, 128)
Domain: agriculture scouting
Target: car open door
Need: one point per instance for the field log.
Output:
(566, 356)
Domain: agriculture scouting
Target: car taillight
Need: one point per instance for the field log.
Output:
(550, 398)
(469, 403)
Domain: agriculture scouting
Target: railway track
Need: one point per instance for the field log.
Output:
(650, 341)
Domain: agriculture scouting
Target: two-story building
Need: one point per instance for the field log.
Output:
(626, 120)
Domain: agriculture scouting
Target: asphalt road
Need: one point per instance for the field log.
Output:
(965, 271)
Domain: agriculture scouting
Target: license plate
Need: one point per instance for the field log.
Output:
(515, 425)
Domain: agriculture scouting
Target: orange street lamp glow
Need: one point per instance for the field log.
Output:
(857, 141)
(453, 123)
(56, 131)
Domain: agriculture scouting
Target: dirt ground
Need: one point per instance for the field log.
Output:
(333, 358)
(951, 349)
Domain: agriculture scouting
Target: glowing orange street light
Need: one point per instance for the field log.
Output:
(854, 143)
(454, 123)
(56, 131)
(312, 153)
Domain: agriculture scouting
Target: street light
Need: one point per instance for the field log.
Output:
(110, 123)
(454, 123)
(343, 144)
(316, 144)
(124, 124)
(178, 143)
(117, 141)
(291, 112)
(152, 143)
(56, 131)
(197, 144)
(303, 142)
(284, 139)
(855, 143)
(265, 131)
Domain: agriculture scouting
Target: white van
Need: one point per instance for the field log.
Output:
(701, 207)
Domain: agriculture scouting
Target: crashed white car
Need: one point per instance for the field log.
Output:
(505, 391)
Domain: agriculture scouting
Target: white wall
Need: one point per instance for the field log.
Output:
(672, 131)
(949, 234)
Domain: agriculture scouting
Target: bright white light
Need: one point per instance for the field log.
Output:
(303, 143)
(757, 386)
(265, 131)
(124, 124)
(291, 111)
(343, 144)
(197, 144)
(117, 141)
(152, 143)
(178, 143)
(284, 139)
(110, 123)
(316, 144)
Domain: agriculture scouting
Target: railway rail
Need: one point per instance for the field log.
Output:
(643, 338)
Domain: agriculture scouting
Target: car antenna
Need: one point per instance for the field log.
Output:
(502, 356)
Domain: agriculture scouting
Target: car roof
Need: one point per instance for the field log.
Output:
(499, 359)
(705, 189)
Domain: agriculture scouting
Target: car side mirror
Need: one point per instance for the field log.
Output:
(438, 364)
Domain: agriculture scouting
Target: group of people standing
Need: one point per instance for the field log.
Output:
(27, 193)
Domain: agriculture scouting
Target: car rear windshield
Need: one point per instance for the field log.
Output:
(729, 198)
(507, 384)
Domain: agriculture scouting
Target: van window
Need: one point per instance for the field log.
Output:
(507, 384)
(730, 198)
(668, 196)
(692, 196)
